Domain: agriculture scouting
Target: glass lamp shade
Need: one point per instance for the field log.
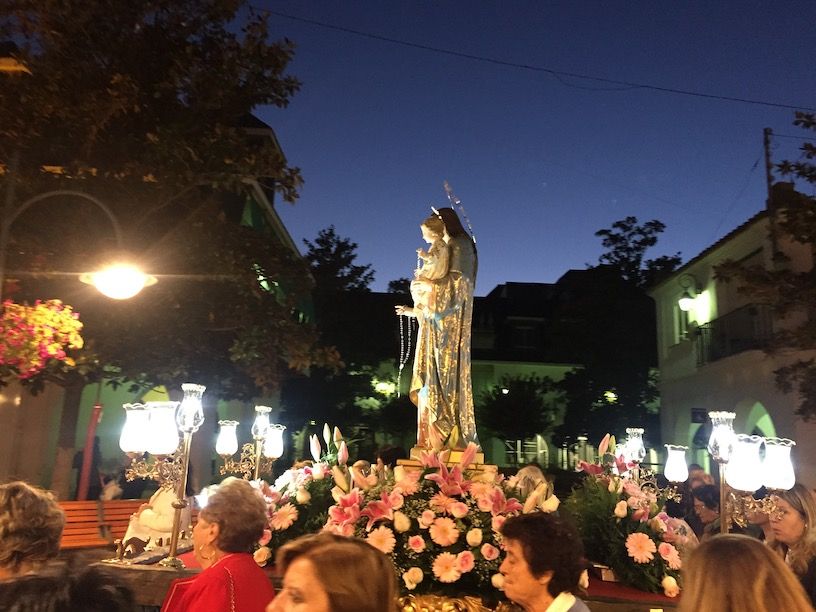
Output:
(721, 442)
(163, 438)
(261, 424)
(227, 442)
(686, 302)
(273, 445)
(190, 415)
(676, 469)
(744, 471)
(778, 468)
(136, 430)
(635, 451)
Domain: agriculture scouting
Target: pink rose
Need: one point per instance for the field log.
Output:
(267, 535)
(490, 552)
(416, 543)
(459, 510)
(466, 561)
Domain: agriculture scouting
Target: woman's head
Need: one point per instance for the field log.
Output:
(793, 524)
(330, 573)
(732, 573)
(233, 519)
(707, 503)
(31, 525)
(453, 226)
(543, 555)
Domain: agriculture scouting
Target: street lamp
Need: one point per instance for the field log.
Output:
(120, 282)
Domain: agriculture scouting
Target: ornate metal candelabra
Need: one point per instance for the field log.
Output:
(257, 457)
(154, 428)
(742, 469)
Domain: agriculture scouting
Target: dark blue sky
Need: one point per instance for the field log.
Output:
(539, 162)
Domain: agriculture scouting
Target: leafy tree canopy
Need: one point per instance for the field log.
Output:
(519, 407)
(627, 243)
(331, 259)
(147, 107)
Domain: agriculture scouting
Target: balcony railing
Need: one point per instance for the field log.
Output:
(744, 329)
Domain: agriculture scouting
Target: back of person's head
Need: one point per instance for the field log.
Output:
(31, 524)
(709, 495)
(529, 477)
(737, 573)
(356, 576)
(240, 512)
(698, 477)
(550, 544)
(91, 590)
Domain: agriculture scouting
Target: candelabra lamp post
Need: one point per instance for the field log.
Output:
(189, 418)
(257, 457)
(153, 428)
(743, 470)
(720, 447)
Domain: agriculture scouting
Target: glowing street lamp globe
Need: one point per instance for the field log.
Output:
(119, 281)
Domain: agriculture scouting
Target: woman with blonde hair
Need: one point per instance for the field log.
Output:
(734, 573)
(794, 531)
(329, 573)
(228, 529)
(31, 524)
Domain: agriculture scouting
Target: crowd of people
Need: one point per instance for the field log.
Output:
(544, 568)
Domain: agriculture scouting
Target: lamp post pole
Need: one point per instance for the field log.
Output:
(10, 214)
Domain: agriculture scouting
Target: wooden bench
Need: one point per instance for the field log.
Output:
(116, 515)
(83, 525)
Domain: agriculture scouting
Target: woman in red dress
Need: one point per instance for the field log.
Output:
(227, 530)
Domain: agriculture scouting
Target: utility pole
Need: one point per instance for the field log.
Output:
(770, 205)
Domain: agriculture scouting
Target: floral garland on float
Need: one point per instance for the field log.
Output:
(299, 500)
(438, 523)
(618, 510)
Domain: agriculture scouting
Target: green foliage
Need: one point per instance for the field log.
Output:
(592, 506)
(627, 243)
(331, 259)
(528, 408)
(147, 107)
(128, 90)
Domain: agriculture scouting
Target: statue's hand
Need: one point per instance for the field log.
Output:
(404, 310)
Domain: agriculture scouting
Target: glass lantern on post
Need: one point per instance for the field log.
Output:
(189, 417)
(256, 457)
(676, 469)
(150, 428)
(720, 447)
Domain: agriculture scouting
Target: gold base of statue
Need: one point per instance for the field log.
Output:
(477, 469)
(454, 457)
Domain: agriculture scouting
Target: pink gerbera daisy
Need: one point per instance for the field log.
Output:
(382, 538)
(446, 568)
(444, 531)
(640, 547)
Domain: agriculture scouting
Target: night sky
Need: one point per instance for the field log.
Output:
(540, 161)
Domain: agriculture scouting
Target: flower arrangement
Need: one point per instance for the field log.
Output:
(298, 502)
(32, 337)
(618, 512)
(439, 524)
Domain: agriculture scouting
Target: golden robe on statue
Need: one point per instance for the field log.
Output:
(441, 384)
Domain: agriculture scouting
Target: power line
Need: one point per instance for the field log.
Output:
(795, 137)
(736, 198)
(558, 74)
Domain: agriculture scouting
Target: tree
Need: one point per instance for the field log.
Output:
(627, 243)
(331, 259)
(789, 292)
(401, 286)
(616, 346)
(519, 407)
(147, 107)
